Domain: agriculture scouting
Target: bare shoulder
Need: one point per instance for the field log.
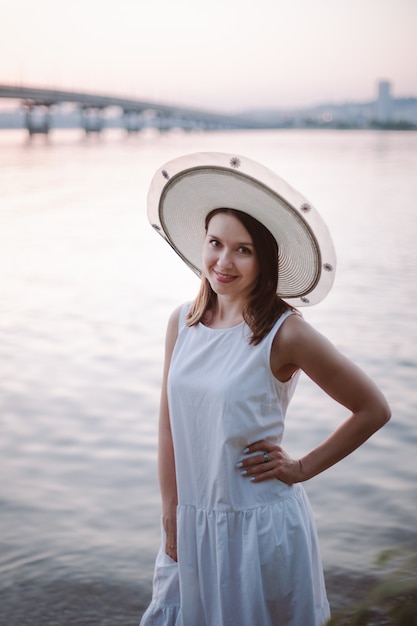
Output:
(174, 318)
(171, 337)
(172, 327)
(295, 332)
(291, 327)
(296, 344)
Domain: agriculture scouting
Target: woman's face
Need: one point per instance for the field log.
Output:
(230, 262)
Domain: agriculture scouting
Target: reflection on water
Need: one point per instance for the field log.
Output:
(86, 288)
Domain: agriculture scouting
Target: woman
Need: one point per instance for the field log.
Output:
(239, 541)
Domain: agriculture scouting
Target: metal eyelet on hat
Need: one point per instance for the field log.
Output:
(235, 162)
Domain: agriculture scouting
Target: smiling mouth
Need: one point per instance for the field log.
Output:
(224, 277)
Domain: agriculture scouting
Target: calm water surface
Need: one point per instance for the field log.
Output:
(85, 291)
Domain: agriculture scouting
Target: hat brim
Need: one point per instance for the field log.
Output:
(185, 190)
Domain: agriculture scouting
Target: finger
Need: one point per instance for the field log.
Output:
(268, 453)
(259, 459)
(259, 468)
(259, 477)
(258, 446)
(171, 551)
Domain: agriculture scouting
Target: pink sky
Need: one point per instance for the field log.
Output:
(222, 54)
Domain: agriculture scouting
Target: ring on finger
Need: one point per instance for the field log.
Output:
(266, 457)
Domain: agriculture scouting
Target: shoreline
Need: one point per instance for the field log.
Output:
(100, 602)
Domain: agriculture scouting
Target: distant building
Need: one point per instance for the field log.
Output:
(384, 102)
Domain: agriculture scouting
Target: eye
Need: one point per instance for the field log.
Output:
(215, 243)
(245, 250)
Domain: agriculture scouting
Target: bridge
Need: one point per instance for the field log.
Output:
(39, 105)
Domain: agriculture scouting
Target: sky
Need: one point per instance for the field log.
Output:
(224, 55)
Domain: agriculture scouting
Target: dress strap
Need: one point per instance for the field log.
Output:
(183, 313)
(271, 336)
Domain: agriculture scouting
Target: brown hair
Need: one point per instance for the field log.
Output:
(264, 306)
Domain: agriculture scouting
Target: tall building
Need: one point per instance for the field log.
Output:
(384, 101)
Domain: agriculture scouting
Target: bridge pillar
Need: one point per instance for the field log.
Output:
(92, 119)
(38, 118)
(164, 122)
(132, 121)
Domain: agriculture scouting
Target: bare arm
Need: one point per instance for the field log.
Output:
(298, 346)
(166, 461)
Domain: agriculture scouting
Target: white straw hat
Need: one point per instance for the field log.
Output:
(186, 189)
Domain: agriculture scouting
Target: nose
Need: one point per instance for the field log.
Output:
(225, 258)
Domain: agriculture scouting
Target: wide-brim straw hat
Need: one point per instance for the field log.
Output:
(185, 190)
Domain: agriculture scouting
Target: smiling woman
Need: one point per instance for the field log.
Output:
(230, 262)
(239, 543)
(246, 249)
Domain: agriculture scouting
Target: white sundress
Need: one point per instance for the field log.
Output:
(247, 552)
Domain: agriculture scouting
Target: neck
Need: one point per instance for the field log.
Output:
(226, 313)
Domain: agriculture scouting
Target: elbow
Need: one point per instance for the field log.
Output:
(384, 413)
(377, 414)
(387, 415)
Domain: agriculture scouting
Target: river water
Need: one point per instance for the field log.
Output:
(86, 288)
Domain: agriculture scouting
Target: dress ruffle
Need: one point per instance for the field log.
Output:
(164, 610)
(156, 615)
(264, 564)
(264, 568)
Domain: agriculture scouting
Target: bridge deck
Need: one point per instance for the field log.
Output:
(48, 97)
